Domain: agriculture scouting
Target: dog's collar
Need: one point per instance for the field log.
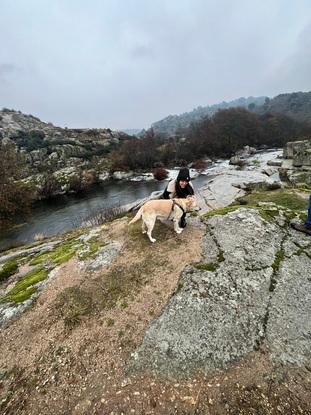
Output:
(177, 204)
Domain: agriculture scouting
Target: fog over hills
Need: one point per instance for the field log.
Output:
(296, 105)
(171, 123)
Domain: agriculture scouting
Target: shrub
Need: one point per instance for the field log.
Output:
(49, 186)
(159, 173)
(200, 164)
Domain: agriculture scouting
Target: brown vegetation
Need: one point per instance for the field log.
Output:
(160, 173)
(200, 164)
(15, 196)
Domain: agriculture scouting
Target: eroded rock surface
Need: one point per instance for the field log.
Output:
(252, 287)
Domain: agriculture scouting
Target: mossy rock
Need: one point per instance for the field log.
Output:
(8, 269)
(92, 247)
(284, 203)
(222, 211)
(285, 198)
(24, 288)
(304, 187)
(59, 255)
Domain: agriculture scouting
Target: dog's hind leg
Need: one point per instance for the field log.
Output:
(150, 224)
(143, 227)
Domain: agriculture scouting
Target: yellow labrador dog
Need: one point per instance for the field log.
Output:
(170, 209)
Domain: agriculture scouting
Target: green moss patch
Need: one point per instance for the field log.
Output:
(93, 245)
(23, 295)
(277, 260)
(268, 214)
(304, 187)
(279, 256)
(8, 269)
(289, 201)
(220, 256)
(58, 255)
(286, 198)
(24, 288)
(207, 267)
(221, 211)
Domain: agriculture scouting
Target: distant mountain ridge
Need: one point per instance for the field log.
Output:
(296, 105)
(171, 123)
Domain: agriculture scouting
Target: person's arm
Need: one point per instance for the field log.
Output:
(169, 190)
(190, 189)
(165, 194)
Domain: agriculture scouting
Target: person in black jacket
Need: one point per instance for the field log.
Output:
(181, 187)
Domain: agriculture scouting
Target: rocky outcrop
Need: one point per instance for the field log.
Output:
(225, 188)
(252, 287)
(48, 149)
(296, 163)
(30, 270)
(299, 152)
(239, 159)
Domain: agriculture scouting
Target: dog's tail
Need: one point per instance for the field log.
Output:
(137, 216)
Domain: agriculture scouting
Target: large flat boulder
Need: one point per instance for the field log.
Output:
(252, 287)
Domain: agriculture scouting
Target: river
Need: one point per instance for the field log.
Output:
(64, 213)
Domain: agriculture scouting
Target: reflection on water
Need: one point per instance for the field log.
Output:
(64, 213)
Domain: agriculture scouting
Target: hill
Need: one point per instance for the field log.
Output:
(172, 123)
(296, 105)
(69, 157)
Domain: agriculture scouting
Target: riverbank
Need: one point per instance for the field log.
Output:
(59, 215)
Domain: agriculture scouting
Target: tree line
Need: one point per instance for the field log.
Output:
(219, 136)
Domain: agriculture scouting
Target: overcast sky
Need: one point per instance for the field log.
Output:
(128, 63)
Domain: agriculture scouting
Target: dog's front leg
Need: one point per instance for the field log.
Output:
(150, 237)
(177, 229)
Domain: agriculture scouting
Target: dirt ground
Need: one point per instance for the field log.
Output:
(67, 353)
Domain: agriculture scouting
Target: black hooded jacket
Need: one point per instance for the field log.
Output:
(173, 189)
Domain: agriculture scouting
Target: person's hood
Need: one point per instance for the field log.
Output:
(184, 174)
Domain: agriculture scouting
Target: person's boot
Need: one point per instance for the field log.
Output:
(302, 227)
